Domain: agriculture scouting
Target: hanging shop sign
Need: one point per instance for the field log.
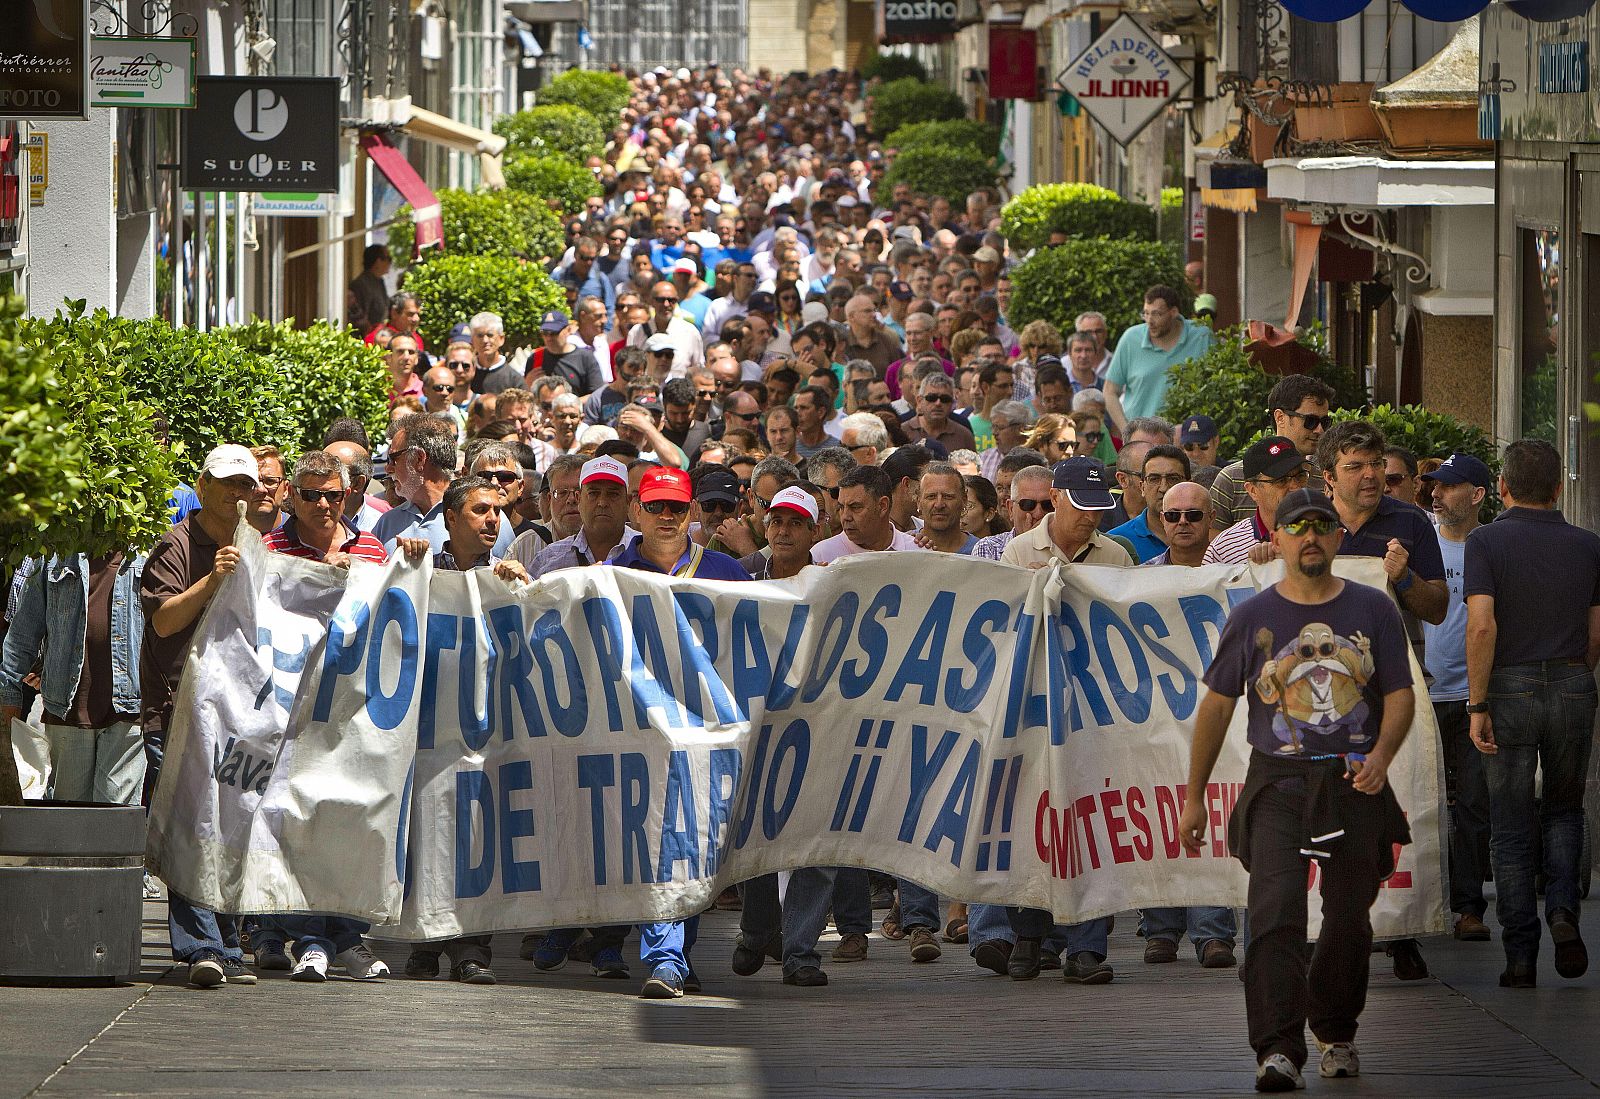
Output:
(1124, 79)
(916, 20)
(141, 72)
(249, 133)
(44, 59)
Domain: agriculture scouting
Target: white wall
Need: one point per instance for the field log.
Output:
(73, 236)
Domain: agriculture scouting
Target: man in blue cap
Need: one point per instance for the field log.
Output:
(1198, 435)
(1459, 488)
(576, 366)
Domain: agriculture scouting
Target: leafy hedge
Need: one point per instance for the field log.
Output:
(487, 223)
(554, 128)
(1227, 385)
(451, 289)
(563, 183)
(1173, 229)
(902, 102)
(955, 133)
(1107, 276)
(325, 374)
(893, 66)
(1081, 210)
(601, 94)
(952, 172)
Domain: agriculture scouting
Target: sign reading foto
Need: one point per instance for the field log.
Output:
(142, 72)
(44, 59)
(249, 133)
(1124, 80)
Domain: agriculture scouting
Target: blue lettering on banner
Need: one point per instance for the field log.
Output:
(474, 799)
(1073, 664)
(1181, 693)
(679, 843)
(1023, 710)
(955, 815)
(236, 767)
(477, 826)
(477, 725)
(597, 774)
(1133, 701)
(880, 745)
(341, 655)
(293, 661)
(605, 634)
(515, 673)
(923, 659)
(724, 769)
(388, 710)
(979, 650)
(794, 747)
(516, 875)
(841, 617)
(570, 719)
(651, 678)
(1204, 616)
(699, 658)
(635, 812)
(439, 637)
(1563, 67)
(857, 676)
(925, 767)
(782, 692)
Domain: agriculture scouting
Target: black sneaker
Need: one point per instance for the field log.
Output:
(423, 965)
(1409, 964)
(747, 961)
(206, 971)
(472, 973)
(1086, 968)
(1572, 957)
(1023, 965)
(807, 976)
(993, 955)
(234, 969)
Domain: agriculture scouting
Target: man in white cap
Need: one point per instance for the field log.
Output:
(688, 351)
(603, 515)
(184, 571)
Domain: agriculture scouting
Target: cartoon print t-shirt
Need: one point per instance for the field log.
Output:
(1314, 676)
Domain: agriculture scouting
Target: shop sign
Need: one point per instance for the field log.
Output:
(44, 59)
(251, 133)
(142, 72)
(1124, 79)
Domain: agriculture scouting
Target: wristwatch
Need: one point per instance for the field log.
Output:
(1478, 708)
(1402, 585)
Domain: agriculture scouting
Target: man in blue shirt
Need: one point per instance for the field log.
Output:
(1136, 383)
(661, 515)
(1459, 487)
(1164, 466)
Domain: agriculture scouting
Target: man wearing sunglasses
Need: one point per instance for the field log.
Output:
(1163, 467)
(935, 400)
(1269, 471)
(661, 516)
(1325, 666)
(1186, 524)
(1025, 500)
(688, 350)
(1299, 408)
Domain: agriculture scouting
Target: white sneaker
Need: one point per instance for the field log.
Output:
(312, 966)
(1277, 1073)
(1339, 1060)
(362, 964)
(152, 888)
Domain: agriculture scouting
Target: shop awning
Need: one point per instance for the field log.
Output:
(437, 128)
(1369, 181)
(425, 213)
(1550, 11)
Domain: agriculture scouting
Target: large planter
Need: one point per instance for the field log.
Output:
(71, 890)
(1339, 114)
(1436, 128)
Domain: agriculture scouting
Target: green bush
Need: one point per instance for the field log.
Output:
(894, 66)
(954, 173)
(486, 223)
(554, 128)
(902, 102)
(1107, 276)
(451, 289)
(1173, 228)
(325, 374)
(1227, 385)
(1080, 210)
(601, 94)
(563, 183)
(955, 133)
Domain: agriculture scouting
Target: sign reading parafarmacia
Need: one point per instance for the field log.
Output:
(1124, 79)
(443, 754)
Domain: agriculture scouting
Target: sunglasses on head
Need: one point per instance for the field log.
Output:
(1028, 506)
(666, 507)
(312, 495)
(1186, 515)
(1317, 526)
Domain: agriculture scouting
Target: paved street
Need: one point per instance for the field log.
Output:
(881, 1028)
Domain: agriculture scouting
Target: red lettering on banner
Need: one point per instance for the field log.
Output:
(1168, 810)
(1083, 812)
(1116, 824)
(1142, 843)
(1218, 817)
(1129, 89)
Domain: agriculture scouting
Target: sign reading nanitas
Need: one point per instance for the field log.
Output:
(254, 133)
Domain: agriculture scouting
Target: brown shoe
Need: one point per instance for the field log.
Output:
(1218, 955)
(851, 948)
(924, 947)
(1160, 951)
(1470, 929)
(729, 900)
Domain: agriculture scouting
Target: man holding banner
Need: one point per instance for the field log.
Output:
(1327, 669)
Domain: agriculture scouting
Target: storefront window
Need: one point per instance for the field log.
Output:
(1541, 332)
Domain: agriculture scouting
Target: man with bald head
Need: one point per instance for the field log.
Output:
(1186, 520)
(359, 511)
(866, 337)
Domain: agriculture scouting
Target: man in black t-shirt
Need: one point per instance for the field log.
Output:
(1325, 666)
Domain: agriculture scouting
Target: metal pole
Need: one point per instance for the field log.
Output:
(202, 264)
(222, 259)
(238, 253)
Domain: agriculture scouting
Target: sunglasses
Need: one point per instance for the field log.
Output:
(939, 398)
(1299, 478)
(745, 416)
(1028, 506)
(666, 301)
(1393, 480)
(1185, 515)
(312, 495)
(673, 508)
(1316, 526)
(440, 388)
(1093, 436)
(1313, 422)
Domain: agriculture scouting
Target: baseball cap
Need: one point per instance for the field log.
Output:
(718, 484)
(461, 333)
(1460, 469)
(794, 498)
(986, 255)
(663, 483)
(685, 266)
(846, 202)
(900, 291)
(1085, 483)
(604, 469)
(554, 321)
(1274, 457)
(906, 232)
(1197, 429)
(762, 302)
(231, 460)
(660, 341)
(1303, 503)
(1205, 303)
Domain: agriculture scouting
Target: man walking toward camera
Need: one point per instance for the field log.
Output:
(1325, 665)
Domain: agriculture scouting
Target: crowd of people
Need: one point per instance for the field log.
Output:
(769, 361)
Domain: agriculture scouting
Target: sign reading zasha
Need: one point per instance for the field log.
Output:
(1124, 79)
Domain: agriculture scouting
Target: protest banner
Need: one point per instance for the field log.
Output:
(445, 754)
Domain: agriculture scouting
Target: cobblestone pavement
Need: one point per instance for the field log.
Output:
(882, 1027)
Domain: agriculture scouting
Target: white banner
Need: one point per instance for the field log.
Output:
(452, 756)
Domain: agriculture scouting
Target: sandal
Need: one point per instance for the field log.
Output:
(955, 931)
(891, 924)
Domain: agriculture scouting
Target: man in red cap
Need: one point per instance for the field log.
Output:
(661, 515)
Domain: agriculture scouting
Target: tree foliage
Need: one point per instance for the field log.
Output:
(1107, 276)
(563, 183)
(894, 66)
(451, 289)
(559, 128)
(601, 94)
(902, 102)
(955, 133)
(952, 172)
(1082, 211)
(486, 223)
(324, 374)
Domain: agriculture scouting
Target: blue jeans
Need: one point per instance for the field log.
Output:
(1467, 793)
(1035, 923)
(1543, 716)
(195, 931)
(105, 766)
(987, 923)
(668, 944)
(812, 893)
(330, 934)
(1203, 922)
(919, 907)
